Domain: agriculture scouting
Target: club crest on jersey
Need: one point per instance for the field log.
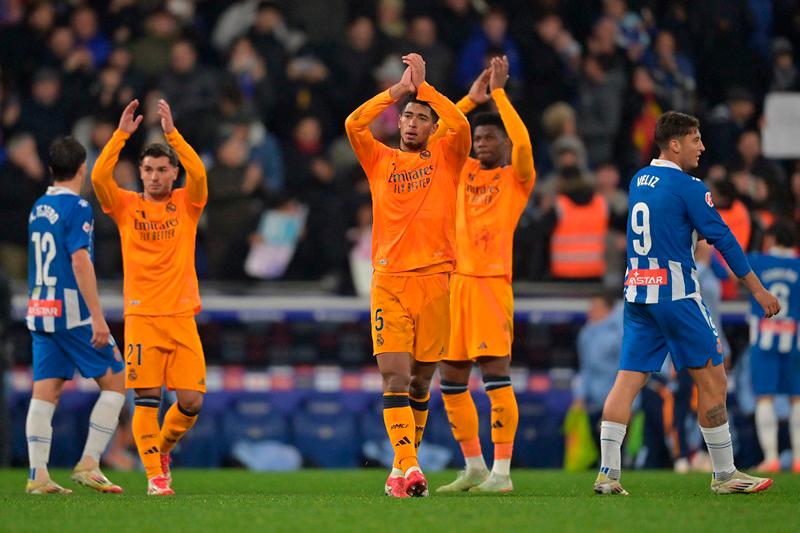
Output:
(709, 201)
(171, 208)
(646, 276)
(425, 154)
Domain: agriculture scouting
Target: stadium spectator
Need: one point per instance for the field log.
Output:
(672, 72)
(309, 90)
(749, 157)
(600, 94)
(44, 114)
(355, 60)
(23, 46)
(422, 37)
(457, 20)
(632, 35)
(151, 51)
(640, 112)
(785, 75)
(194, 89)
(247, 70)
(22, 181)
(89, 35)
(726, 122)
(607, 184)
(391, 19)
(488, 40)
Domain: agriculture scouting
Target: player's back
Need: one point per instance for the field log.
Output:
(60, 223)
(780, 274)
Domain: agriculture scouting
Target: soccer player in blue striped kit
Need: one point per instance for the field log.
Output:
(66, 323)
(668, 211)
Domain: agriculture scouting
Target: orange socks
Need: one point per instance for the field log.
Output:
(505, 418)
(400, 426)
(176, 423)
(146, 432)
(463, 417)
(419, 406)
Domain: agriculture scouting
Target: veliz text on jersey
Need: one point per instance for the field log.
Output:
(411, 180)
(156, 231)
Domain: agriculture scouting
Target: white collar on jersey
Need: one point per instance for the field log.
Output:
(778, 251)
(665, 163)
(55, 189)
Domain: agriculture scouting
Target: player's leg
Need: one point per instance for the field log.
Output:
(794, 433)
(505, 418)
(463, 418)
(51, 367)
(398, 417)
(767, 431)
(419, 395)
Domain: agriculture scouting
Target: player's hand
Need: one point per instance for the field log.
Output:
(499, 76)
(167, 124)
(127, 122)
(768, 302)
(100, 332)
(404, 87)
(417, 65)
(479, 91)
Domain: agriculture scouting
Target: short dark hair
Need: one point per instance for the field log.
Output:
(159, 150)
(672, 125)
(66, 156)
(489, 119)
(784, 233)
(414, 100)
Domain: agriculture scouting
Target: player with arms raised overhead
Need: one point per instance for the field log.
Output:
(669, 210)
(491, 197)
(157, 229)
(413, 252)
(66, 322)
(774, 350)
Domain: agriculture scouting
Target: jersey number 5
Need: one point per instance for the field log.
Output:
(641, 211)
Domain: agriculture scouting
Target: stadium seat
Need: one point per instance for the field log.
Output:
(254, 417)
(539, 442)
(327, 434)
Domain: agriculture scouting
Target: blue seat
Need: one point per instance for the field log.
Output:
(328, 440)
(201, 447)
(539, 442)
(253, 418)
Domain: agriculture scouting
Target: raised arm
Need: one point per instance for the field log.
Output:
(521, 147)
(357, 123)
(478, 95)
(196, 180)
(105, 188)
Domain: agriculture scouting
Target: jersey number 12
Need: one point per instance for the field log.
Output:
(44, 252)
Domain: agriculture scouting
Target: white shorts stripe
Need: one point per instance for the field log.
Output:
(676, 279)
(630, 291)
(50, 321)
(31, 320)
(652, 290)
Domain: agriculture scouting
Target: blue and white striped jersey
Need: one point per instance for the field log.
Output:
(60, 223)
(779, 271)
(668, 211)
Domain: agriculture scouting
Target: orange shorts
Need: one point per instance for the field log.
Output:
(482, 313)
(163, 350)
(411, 314)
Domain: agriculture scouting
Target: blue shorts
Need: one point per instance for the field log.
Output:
(58, 354)
(682, 329)
(774, 373)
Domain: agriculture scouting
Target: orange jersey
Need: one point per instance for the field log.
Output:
(158, 238)
(413, 193)
(490, 201)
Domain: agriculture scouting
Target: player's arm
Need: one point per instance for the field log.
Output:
(521, 147)
(458, 136)
(709, 223)
(105, 188)
(83, 269)
(364, 144)
(478, 95)
(78, 237)
(196, 180)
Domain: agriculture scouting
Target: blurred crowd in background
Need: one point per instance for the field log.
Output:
(261, 90)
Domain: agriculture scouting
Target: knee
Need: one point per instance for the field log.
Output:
(191, 405)
(396, 381)
(419, 387)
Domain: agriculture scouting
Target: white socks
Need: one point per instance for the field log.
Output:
(767, 429)
(102, 423)
(794, 430)
(39, 431)
(502, 467)
(475, 463)
(718, 441)
(611, 436)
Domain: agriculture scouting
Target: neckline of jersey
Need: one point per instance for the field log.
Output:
(57, 189)
(664, 163)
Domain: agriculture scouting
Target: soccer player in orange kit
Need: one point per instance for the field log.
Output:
(157, 229)
(413, 253)
(491, 197)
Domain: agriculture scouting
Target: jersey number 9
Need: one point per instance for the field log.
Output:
(641, 211)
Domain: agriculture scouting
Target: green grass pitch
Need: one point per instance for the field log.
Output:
(235, 501)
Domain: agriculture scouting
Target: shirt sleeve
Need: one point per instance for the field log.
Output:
(709, 223)
(105, 188)
(521, 147)
(365, 146)
(79, 227)
(466, 105)
(196, 179)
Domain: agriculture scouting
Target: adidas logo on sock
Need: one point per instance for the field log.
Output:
(497, 424)
(151, 451)
(402, 441)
